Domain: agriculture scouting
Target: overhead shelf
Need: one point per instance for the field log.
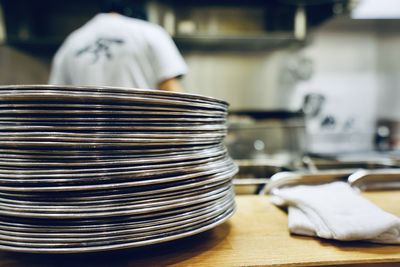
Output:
(236, 42)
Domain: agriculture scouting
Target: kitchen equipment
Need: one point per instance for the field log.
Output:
(376, 173)
(263, 143)
(253, 175)
(375, 179)
(362, 179)
(274, 135)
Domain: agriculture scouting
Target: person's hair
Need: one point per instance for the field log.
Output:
(130, 8)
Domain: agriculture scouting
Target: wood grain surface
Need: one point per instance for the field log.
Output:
(256, 235)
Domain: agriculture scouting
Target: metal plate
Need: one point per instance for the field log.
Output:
(123, 244)
(50, 162)
(113, 119)
(109, 210)
(114, 128)
(107, 112)
(138, 143)
(145, 152)
(105, 137)
(111, 236)
(114, 90)
(110, 199)
(135, 177)
(143, 179)
(112, 227)
(142, 192)
(106, 98)
(45, 165)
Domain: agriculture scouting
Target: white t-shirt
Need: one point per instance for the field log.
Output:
(114, 50)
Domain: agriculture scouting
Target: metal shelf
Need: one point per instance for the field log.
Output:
(237, 42)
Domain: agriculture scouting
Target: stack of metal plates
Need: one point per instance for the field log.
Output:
(93, 169)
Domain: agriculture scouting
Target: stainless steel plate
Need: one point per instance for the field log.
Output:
(106, 98)
(103, 119)
(138, 143)
(170, 188)
(112, 236)
(145, 152)
(113, 90)
(26, 104)
(108, 210)
(52, 163)
(97, 160)
(113, 199)
(125, 243)
(127, 181)
(106, 113)
(114, 128)
(101, 136)
(112, 227)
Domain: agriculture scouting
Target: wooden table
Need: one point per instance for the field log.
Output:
(256, 235)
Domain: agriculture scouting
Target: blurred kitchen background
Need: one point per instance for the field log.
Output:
(306, 79)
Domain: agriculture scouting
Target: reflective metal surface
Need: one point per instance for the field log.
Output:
(92, 169)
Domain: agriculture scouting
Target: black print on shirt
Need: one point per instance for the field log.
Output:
(100, 48)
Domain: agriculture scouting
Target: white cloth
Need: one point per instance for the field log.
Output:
(114, 50)
(336, 211)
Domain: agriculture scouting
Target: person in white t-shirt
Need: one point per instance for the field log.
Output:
(115, 50)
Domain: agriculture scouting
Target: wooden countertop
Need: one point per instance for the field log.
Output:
(256, 235)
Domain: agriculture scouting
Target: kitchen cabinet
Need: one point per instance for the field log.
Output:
(256, 235)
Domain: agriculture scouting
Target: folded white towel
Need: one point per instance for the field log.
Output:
(336, 211)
